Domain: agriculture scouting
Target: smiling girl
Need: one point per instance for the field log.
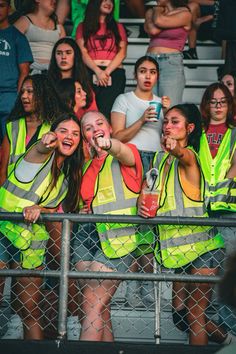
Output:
(110, 185)
(47, 174)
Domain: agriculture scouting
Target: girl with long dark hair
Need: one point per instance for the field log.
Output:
(218, 160)
(103, 44)
(35, 109)
(66, 62)
(195, 250)
(47, 174)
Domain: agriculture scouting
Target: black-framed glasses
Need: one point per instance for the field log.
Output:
(222, 102)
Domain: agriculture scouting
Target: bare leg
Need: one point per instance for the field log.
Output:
(30, 297)
(96, 324)
(198, 301)
(53, 262)
(197, 20)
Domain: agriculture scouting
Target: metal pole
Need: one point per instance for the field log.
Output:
(63, 291)
(157, 297)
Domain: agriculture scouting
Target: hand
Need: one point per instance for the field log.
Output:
(49, 140)
(165, 101)
(168, 144)
(149, 114)
(142, 209)
(103, 78)
(31, 213)
(85, 210)
(103, 143)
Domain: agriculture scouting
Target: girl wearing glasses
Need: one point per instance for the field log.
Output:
(218, 160)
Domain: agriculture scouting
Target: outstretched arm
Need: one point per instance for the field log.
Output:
(117, 149)
(42, 149)
(187, 159)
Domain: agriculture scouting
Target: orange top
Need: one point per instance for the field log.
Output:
(190, 190)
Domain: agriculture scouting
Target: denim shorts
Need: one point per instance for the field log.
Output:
(86, 246)
(147, 158)
(8, 253)
(212, 259)
(172, 79)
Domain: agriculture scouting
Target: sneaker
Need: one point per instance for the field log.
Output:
(133, 294)
(73, 328)
(190, 54)
(147, 292)
(15, 328)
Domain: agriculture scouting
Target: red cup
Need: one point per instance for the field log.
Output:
(151, 201)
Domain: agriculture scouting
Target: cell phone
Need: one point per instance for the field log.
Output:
(95, 80)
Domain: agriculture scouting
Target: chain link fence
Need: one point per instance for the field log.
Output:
(77, 284)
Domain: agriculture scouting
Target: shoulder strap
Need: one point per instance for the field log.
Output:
(29, 19)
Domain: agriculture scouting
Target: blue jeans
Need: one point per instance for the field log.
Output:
(147, 158)
(172, 80)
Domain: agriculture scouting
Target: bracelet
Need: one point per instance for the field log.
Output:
(109, 148)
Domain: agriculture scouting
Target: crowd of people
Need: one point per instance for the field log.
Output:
(72, 140)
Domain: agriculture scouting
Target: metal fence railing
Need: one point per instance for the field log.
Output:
(60, 270)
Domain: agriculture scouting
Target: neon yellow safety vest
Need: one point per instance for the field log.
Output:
(220, 191)
(31, 239)
(179, 245)
(16, 132)
(112, 196)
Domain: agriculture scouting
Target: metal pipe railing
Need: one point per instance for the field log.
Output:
(64, 273)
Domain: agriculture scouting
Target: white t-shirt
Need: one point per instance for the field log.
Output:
(148, 137)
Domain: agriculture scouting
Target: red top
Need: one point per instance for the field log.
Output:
(132, 176)
(174, 38)
(215, 134)
(102, 45)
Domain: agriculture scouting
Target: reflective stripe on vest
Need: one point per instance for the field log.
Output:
(15, 195)
(121, 202)
(220, 191)
(36, 245)
(181, 244)
(16, 131)
(189, 239)
(112, 196)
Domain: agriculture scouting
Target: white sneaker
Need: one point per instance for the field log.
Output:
(15, 328)
(73, 328)
(133, 295)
